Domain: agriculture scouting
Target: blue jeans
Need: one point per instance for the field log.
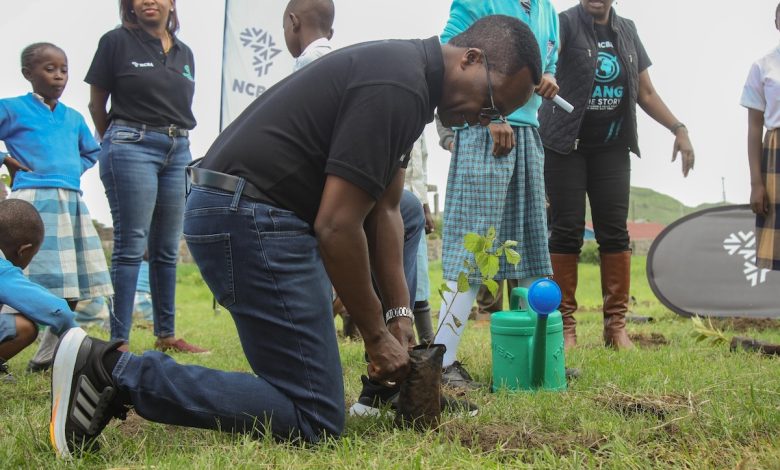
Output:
(263, 265)
(143, 173)
(414, 225)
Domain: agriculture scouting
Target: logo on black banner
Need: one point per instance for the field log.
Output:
(744, 245)
(263, 48)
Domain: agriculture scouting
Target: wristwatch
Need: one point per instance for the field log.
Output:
(398, 312)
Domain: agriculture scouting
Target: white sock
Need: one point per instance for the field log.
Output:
(449, 334)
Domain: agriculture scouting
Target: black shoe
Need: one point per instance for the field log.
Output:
(455, 376)
(376, 399)
(84, 397)
(5, 374)
(38, 367)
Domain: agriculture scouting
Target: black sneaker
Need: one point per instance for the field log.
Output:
(455, 376)
(5, 374)
(376, 399)
(84, 397)
(38, 367)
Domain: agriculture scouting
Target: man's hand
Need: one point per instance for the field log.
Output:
(759, 201)
(503, 139)
(548, 87)
(13, 166)
(402, 329)
(388, 359)
(682, 144)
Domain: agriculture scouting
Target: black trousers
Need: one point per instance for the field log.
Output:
(605, 176)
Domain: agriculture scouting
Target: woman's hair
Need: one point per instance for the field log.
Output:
(130, 20)
(31, 52)
(777, 10)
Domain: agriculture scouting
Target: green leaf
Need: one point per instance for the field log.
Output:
(491, 234)
(444, 287)
(491, 268)
(463, 282)
(473, 243)
(456, 321)
(482, 262)
(512, 257)
(492, 286)
(510, 244)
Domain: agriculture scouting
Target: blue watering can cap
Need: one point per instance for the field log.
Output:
(544, 296)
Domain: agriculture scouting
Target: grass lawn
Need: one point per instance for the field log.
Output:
(679, 405)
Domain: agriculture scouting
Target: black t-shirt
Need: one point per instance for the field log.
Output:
(146, 85)
(607, 111)
(353, 113)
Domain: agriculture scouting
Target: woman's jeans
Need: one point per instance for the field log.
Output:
(605, 176)
(143, 173)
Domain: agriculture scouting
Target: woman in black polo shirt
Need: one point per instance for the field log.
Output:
(602, 70)
(149, 75)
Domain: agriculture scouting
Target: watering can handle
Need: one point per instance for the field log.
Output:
(518, 293)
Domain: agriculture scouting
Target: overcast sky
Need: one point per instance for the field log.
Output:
(701, 53)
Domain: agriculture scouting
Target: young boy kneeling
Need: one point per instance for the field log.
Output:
(23, 303)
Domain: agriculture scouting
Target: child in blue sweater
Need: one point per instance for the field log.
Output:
(50, 147)
(21, 235)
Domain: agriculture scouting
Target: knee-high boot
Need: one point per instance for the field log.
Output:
(565, 274)
(615, 282)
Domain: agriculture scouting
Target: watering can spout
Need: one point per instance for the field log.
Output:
(544, 297)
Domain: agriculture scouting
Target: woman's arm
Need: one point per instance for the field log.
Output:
(98, 99)
(655, 107)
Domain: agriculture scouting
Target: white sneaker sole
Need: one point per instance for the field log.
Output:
(359, 409)
(61, 384)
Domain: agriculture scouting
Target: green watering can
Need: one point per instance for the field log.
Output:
(528, 344)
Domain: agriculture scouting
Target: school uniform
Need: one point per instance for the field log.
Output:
(58, 147)
(762, 93)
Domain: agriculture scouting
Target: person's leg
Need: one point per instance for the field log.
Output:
(476, 197)
(164, 236)
(566, 183)
(422, 309)
(16, 333)
(487, 303)
(129, 163)
(609, 185)
(263, 265)
(414, 227)
(453, 317)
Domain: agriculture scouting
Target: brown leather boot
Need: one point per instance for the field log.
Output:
(615, 282)
(565, 274)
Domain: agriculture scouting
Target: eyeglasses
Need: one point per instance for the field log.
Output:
(491, 114)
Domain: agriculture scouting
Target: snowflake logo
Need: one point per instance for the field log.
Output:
(744, 245)
(263, 48)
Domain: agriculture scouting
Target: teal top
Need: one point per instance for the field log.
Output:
(543, 21)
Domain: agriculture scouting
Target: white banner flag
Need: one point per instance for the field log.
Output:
(254, 56)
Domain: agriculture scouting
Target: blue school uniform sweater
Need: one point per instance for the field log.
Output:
(543, 21)
(32, 300)
(55, 144)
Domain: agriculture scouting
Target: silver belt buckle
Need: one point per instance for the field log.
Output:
(171, 131)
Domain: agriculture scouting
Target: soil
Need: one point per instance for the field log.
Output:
(741, 325)
(649, 341)
(659, 406)
(133, 425)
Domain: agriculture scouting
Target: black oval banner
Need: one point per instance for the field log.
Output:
(704, 264)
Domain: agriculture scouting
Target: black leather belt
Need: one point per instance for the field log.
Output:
(225, 182)
(170, 131)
